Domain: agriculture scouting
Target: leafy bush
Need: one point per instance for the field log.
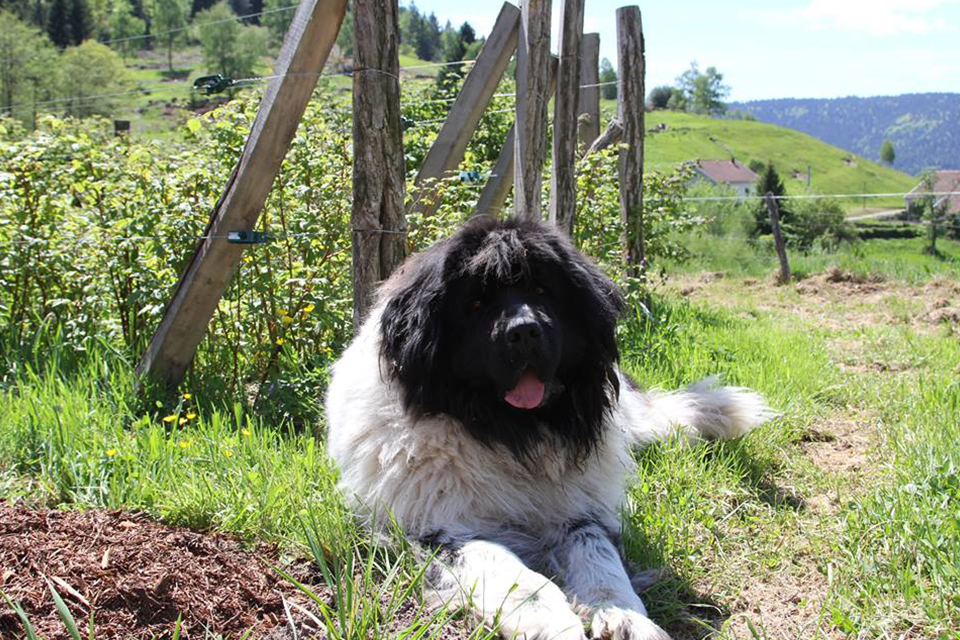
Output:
(817, 221)
(97, 228)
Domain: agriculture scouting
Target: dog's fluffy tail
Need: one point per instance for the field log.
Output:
(703, 410)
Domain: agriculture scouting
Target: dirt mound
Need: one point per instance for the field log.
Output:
(136, 576)
(836, 278)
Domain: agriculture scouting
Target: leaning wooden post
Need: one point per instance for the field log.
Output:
(377, 221)
(630, 100)
(448, 149)
(498, 185)
(778, 237)
(533, 76)
(589, 102)
(563, 178)
(306, 46)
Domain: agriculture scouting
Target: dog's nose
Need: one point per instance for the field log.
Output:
(524, 332)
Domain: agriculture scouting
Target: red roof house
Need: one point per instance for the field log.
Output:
(945, 183)
(727, 172)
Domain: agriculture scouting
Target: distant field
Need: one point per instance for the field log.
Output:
(834, 171)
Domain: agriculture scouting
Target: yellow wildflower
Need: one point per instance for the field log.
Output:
(170, 418)
(187, 396)
(286, 320)
(245, 432)
(284, 312)
(227, 453)
(184, 444)
(280, 342)
(182, 421)
(309, 308)
(111, 452)
(191, 415)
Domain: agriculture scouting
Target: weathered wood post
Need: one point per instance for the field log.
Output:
(377, 221)
(308, 42)
(630, 112)
(563, 179)
(448, 149)
(497, 187)
(778, 237)
(530, 134)
(589, 103)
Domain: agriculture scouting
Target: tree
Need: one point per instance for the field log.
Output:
(124, 29)
(91, 69)
(660, 96)
(170, 21)
(27, 65)
(81, 21)
(608, 74)
(229, 48)
(277, 22)
(467, 35)
(58, 25)
(703, 91)
(887, 153)
(769, 182)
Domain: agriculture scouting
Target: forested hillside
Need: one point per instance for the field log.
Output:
(923, 127)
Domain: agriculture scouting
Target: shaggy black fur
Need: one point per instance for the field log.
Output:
(441, 306)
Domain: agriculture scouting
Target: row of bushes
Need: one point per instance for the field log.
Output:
(96, 229)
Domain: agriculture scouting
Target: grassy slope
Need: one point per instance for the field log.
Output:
(691, 136)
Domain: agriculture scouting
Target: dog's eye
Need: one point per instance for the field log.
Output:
(476, 305)
(539, 291)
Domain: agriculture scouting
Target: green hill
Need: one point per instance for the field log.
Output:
(834, 171)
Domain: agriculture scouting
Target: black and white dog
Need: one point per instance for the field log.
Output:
(481, 408)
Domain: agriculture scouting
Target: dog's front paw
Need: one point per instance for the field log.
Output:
(623, 624)
(542, 623)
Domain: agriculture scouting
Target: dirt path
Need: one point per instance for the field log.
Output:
(839, 451)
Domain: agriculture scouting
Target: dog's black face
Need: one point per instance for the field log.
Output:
(508, 328)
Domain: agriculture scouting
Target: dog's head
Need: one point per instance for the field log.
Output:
(508, 328)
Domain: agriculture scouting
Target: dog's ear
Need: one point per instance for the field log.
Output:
(592, 290)
(410, 326)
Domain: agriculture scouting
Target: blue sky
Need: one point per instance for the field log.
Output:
(803, 48)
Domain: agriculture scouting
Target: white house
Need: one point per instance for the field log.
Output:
(728, 173)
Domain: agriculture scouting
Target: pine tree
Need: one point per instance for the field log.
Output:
(887, 153)
(58, 25)
(608, 74)
(770, 182)
(81, 21)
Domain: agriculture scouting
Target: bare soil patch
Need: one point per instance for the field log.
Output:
(138, 576)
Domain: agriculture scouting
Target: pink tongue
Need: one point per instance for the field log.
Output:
(528, 393)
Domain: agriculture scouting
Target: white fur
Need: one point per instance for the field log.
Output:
(432, 476)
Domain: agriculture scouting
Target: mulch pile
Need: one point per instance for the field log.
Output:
(137, 576)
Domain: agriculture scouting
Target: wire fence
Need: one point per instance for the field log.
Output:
(100, 236)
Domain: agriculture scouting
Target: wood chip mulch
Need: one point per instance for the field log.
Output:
(137, 576)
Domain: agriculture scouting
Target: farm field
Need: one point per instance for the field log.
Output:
(834, 171)
(838, 518)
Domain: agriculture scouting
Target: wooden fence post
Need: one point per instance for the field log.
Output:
(533, 76)
(306, 46)
(563, 178)
(589, 103)
(778, 237)
(630, 113)
(498, 185)
(377, 222)
(464, 116)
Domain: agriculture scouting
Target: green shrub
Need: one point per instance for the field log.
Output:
(96, 230)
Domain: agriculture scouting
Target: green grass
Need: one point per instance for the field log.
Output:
(730, 521)
(900, 259)
(690, 136)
